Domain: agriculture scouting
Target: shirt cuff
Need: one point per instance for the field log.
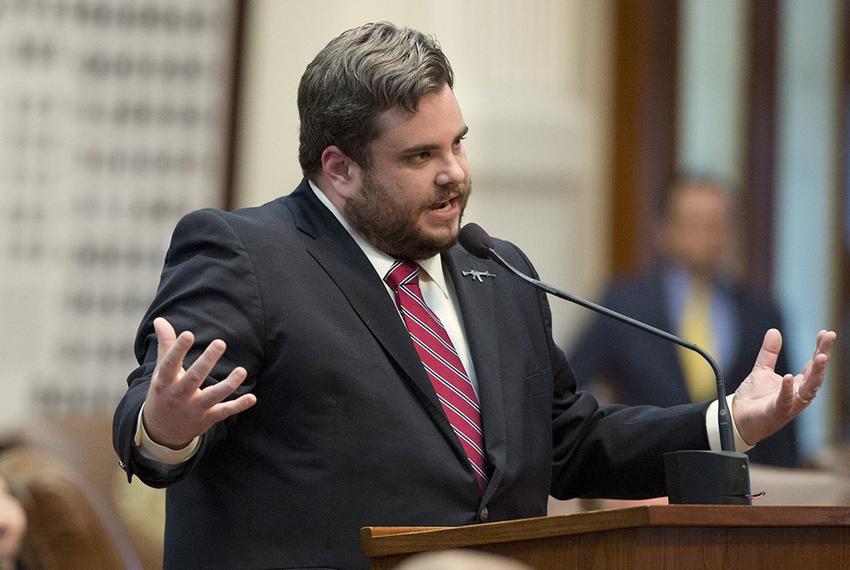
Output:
(149, 449)
(712, 427)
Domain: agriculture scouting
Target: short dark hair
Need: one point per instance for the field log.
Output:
(358, 75)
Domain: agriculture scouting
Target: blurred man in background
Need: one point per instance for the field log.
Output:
(687, 293)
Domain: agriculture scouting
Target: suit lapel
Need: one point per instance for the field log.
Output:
(338, 254)
(478, 309)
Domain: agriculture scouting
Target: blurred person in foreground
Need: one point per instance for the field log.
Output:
(67, 527)
(461, 560)
(689, 294)
(13, 524)
(329, 360)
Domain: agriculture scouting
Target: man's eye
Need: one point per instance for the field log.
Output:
(420, 156)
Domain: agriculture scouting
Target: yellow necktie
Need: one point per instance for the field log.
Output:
(696, 328)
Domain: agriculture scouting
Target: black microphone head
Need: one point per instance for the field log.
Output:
(475, 240)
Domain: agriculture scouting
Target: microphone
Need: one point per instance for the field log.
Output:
(699, 468)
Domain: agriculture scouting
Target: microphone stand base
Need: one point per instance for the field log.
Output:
(707, 478)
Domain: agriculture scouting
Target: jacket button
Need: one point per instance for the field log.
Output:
(483, 515)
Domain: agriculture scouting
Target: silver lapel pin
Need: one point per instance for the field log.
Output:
(477, 275)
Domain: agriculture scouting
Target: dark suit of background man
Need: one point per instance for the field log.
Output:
(317, 416)
(695, 231)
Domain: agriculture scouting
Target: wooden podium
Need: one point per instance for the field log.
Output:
(645, 537)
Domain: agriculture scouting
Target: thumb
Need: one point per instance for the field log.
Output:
(165, 336)
(769, 351)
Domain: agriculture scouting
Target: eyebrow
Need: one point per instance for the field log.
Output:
(416, 149)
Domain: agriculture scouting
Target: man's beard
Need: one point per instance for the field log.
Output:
(392, 227)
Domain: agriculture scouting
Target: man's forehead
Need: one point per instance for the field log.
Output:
(437, 116)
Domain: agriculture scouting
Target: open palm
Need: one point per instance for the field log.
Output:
(766, 401)
(177, 409)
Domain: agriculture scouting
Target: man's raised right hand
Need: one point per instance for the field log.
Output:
(177, 409)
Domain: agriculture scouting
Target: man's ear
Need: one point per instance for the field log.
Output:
(341, 171)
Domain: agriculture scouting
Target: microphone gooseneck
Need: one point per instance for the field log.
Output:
(479, 243)
(692, 476)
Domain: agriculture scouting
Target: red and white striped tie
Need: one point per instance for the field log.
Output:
(442, 364)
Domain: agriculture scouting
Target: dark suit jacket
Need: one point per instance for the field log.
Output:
(646, 370)
(347, 430)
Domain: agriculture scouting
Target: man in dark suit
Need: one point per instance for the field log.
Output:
(310, 393)
(694, 233)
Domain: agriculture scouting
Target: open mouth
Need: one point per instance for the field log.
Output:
(445, 205)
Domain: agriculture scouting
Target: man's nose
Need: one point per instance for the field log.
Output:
(451, 172)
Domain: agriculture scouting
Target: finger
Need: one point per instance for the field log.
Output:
(823, 345)
(786, 398)
(201, 368)
(769, 352)
(224, 410)
(813, 373)
(170, 364)
(818, 340)
(825, 342)
(812, 381)
(216, 393)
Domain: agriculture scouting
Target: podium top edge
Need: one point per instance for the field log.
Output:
(379, 541)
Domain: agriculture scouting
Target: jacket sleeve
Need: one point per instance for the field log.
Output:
(208, 286)
(609, 451)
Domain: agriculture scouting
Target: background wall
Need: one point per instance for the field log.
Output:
(807, 237)
(114, 121)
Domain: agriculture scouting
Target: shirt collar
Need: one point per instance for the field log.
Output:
(431, 266)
